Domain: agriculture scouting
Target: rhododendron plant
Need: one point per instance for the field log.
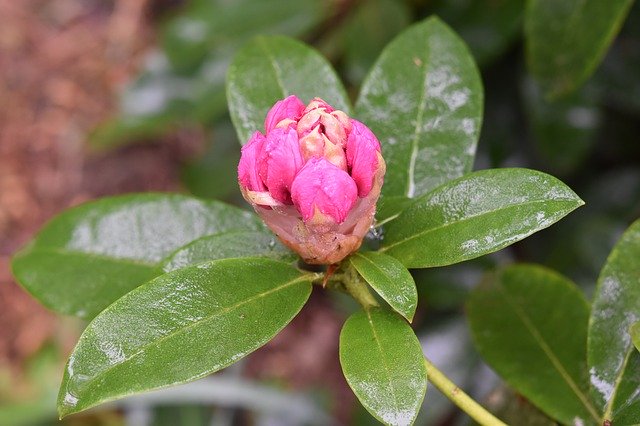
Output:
(314, 177)
(177, 287)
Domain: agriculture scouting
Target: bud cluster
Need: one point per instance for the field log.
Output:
(314, 177)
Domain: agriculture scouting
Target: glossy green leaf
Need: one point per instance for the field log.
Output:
(229, 245)
(89, 256)
(477, 214)
(530, 324)
(270, 68)
(614, 364)
(566, 40)
(382, 361)
(390, 279)
(389, 208)
(180, 327)
(423, 100)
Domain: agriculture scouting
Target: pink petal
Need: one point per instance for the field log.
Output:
(362, 158)
(323, 186)
(318, 103)
(288, 108)
(279, 162)
(248, 166)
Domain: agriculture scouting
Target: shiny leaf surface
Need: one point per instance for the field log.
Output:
(566, 40)
(530, 324)
(90, 255)
(614, 364)
(229, 245)
(270, 68)
(423, 100)
(390, 279)
(383, 363)
(477, 214)
(180, 327)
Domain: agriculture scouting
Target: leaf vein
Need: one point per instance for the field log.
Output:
(549, 353)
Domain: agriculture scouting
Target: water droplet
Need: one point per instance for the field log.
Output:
(70, 399)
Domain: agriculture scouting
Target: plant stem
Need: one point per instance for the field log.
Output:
(461, 399)
(358, 289)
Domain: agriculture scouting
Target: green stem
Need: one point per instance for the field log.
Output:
(461, 399)
(358, 289)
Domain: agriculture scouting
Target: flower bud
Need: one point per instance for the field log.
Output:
(314, 177)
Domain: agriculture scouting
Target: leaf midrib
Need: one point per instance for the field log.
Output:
(467, 218)
(411, 183)
(609, 406)
(549, 353)
(384, 361)
(199, 322)
(274, 66)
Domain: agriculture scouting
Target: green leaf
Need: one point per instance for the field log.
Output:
(89, 256)
(477, 214)
(614, 365)
(180, 327)
(209, 24)
(390, 279)
(229, 245)
(423, 100)
(635, 334)
(530, 324)
(215, 173)
(368, 30)
(383, 363)
(389, 208)
(487, 26)
(617, 78)
(564, 131)
(566, 40)
(270, 68)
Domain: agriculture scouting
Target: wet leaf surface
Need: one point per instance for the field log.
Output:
(229, 245)
(476, 214)
(390, 279)
(423, 100)
(530, 324)
(270, 68)
(180, 327)
(614, 364)
(89, 256)
(383, 363)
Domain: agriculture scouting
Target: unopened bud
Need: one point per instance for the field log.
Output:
(314, 178)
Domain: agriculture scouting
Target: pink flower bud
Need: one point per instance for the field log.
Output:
(363, 155)
(321, 189)
(314, 178)
(288, 109)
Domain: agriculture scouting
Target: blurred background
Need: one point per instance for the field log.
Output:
(102, 97)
